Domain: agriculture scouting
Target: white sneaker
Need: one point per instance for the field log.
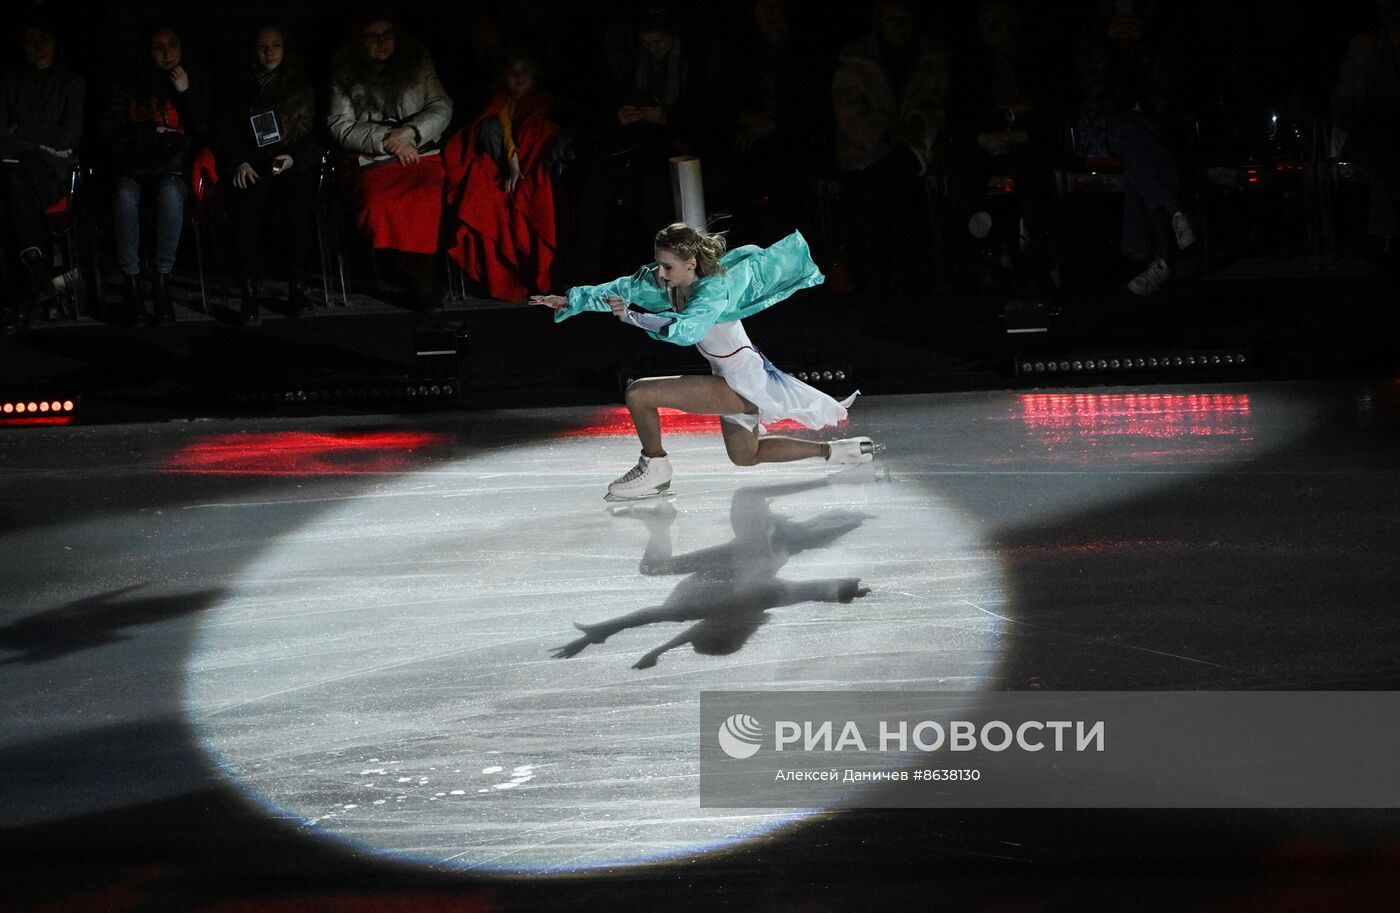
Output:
(853, 450)
(650, 478)
(1150, 281)
(1181, 227)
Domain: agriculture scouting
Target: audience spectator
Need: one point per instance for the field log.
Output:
(150, 127)
(1366, 110)
(265, 143)
(640, 116)
(1120, 69)
(774, 123)
(41, 121)
(889, 96)
(389, 112)
(500, 187)
(1001, 125)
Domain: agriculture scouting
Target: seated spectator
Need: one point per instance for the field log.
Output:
(639, 114)
(999, 128)
(1119, 64)
(265, 144)
(500, 187)
(150, 127)
(41, 120)
(1366, 109)
(889, 94)
(388, 113)
(773, 123)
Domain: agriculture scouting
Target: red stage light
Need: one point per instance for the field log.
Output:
(1093, 418)
(38, 412)
(617, 422)
(296, 453)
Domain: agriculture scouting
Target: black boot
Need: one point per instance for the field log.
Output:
(160, 298)
(428, 294)
(248, 314)
(133, 302)
(299, 302)
(40, 276)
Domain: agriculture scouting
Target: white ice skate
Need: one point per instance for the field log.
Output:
(854, 450)
(650, 478)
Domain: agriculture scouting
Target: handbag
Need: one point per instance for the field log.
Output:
(150, 152)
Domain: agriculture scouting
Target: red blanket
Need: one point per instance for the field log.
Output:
(505, 241)
(399, 206)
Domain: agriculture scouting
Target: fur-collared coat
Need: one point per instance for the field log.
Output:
(366, 100)
(869, 107)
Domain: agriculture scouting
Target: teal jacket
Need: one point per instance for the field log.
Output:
(753, 279)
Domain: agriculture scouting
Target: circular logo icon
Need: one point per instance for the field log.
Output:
(741, 736)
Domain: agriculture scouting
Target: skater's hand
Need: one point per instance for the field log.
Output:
(554, 302)
(245, 176)
(618, 305)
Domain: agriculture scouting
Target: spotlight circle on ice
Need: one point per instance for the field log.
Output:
(478, 667)
(741, 736)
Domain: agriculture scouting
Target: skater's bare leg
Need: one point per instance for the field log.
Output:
(747, 448)
(709, 395)
(698, 395)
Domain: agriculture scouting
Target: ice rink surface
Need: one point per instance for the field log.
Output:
(426, 639)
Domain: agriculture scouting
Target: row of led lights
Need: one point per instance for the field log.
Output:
(1117, 364)
(342, 393)
(39, 406)
(820, 375)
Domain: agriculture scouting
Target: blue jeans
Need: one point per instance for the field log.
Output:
(1153, 184)
(169, 191)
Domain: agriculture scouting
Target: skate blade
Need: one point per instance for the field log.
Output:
(649, 496)
(871, 447)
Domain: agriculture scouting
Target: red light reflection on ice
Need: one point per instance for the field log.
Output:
(39, 420)
(617, 422)
(1093, 417)
(298, 453)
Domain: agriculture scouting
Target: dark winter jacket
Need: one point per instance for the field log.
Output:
(287, 94)
(42, 108)
(138, 109)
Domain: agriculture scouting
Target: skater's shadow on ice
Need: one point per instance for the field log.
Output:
(729, 588)
(96, 621)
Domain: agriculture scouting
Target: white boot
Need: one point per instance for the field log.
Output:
(650, 478)
(853, 450)
(1181, 227)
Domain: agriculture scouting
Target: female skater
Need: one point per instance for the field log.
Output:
(696, 294)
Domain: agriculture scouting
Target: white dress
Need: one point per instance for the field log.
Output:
(776, 394)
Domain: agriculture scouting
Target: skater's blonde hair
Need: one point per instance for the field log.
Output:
(686, 242)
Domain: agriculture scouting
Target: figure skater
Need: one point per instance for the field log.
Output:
(696, 294)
